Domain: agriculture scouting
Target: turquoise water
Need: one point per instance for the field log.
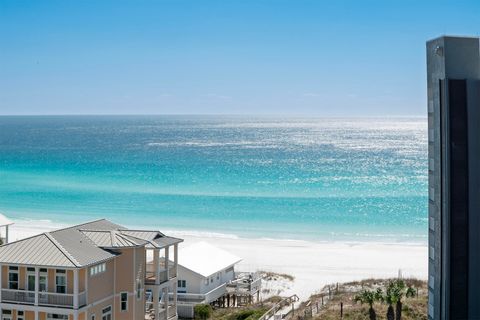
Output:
(294, 178)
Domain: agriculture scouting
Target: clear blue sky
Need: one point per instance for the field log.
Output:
(327, 58)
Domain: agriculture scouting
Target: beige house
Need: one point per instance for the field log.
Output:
(93, 271)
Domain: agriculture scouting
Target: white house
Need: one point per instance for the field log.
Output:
(203, 274)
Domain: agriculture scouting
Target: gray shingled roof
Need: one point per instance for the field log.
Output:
(79, 246)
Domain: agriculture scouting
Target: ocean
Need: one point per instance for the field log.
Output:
(318, 179)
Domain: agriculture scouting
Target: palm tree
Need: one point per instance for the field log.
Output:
(396, 290)
(390, 299)
(369, 297)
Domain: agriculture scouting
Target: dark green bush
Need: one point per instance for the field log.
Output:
(203, 311)
(247, 315)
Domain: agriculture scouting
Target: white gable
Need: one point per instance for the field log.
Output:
(205, 259)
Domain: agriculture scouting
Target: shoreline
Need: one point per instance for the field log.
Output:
(25, 227)
(313, 264)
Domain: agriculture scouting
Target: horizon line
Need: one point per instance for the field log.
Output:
(211, 115)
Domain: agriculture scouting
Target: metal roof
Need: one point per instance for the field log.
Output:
(37, 250)
(206, 259)
(155, 239)
(166, 241)
(79, 246)
(102, 224)
(143, 234)
(112, 239)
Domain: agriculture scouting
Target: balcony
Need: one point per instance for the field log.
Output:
(150, 277)
(18, 296)
(150, 273)
(163, 313)
(62, 300)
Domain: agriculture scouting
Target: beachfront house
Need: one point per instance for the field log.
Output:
(92, 271)
(203, 274)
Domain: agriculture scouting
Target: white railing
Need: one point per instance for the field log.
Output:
(161, 314)
(246, 281)
(272, 312)
(44, 298)
(216, 293)
(150, 277)
(150, 271)
(82, 299)
(189, 298)
(56, 299)
(18, 296)
(172, 272)
(195, 298)
(172, 311)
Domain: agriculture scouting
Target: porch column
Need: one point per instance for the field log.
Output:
(175, 289)
(166, 299)
(36, 315)
(1, 287)
(75, 315)
(37, 284)
(175, 259)
(167, 261)
(156, 264)
(86, 289)
(75, 292)
(155, 300)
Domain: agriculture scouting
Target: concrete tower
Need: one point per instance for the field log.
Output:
(453, 69)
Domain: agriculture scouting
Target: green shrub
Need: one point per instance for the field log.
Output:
(203, 311)
(247, 315)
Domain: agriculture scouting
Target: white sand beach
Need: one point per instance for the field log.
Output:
(313, 264)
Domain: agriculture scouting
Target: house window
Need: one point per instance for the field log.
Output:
(206, 282)
(99, 268)
(6, 314)
(229, 270)
(107, 313)
(218, 276)
(123, 301)
(20, 315)
(182, 283)
(211, 279)
(182, 286)
(61, 281)
(13, 278)
(92, 317)
(31, 279)
(43, 280)
(52, 316)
